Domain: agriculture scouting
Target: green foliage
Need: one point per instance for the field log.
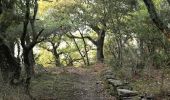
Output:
(45, 58)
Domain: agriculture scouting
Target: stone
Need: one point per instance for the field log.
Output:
(109, 77)
(126, 93)
(115, 83)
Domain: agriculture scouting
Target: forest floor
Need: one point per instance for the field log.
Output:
(77, 83)
(70, 83)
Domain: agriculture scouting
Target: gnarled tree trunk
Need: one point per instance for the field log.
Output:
(10, 68)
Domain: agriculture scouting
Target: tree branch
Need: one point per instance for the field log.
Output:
(39, 33)
(35, 41)
(87, 37)
(32, 21)
(1, 8)
(27, 15)
(155, 18)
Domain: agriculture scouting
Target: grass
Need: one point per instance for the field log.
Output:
(45, 86)
(12, 93)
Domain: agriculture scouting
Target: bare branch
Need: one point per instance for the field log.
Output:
(35, 41)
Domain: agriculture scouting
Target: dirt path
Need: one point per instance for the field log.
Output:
(70, 83)
(90, 85)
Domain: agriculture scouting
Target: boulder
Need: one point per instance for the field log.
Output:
(126, 93)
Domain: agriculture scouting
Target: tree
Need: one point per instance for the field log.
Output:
(8, 63)
(28, 46)
(82, 56)
(55, 42)
(97, 24)
(156, 19)
(98, 15)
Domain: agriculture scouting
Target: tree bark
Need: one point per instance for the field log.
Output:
(57, 60)
(12, 47)
(100, 45)
(57, 57)
(100, 42)
(28, 67)
(31, 54)
(120, 53)
(32, 61)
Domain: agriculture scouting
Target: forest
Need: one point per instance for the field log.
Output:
(84, 49)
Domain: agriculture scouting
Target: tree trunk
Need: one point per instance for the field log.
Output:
(100, 55)
(31, 55)
(57, 57)
(57, 60)
(18, 52)
(141, 47)
(120, 53)
(100, 41)
(28, 67)
(32, 61)
(12, 47)
(10, 68)
(100, 45)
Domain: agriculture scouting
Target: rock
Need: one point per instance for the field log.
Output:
(128, 87)
(109, 77)
(115, 83)
(108, 72)
(126, 93)
(147, 97)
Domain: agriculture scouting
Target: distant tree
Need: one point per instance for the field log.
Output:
(54, 41)
(98, 15)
